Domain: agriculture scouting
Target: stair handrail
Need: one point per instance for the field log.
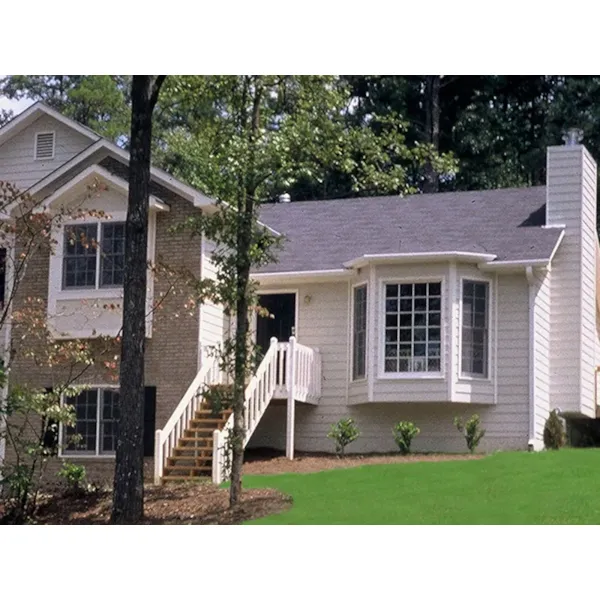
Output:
(257, 396)
(166, 439)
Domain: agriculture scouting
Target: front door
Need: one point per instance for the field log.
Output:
(282, 323)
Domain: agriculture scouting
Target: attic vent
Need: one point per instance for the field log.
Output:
(44, 145)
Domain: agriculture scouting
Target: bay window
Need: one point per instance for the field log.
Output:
(359, 333)
(475, 330)
(412, 332)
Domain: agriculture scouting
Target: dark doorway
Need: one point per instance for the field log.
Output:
(282, 325)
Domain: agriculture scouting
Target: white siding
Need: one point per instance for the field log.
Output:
(571, 201)
(541, 366)
(17, 164)
(324, 324)
(213, 322)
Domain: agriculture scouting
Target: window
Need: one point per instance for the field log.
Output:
(413, 327)
(44, 145)
(474, 335)
(97, 414)
(94, 255)
(359, 333)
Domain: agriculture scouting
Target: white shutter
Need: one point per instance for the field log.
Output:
(44, 145)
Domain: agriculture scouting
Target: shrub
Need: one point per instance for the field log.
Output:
(218, 397)
(554, 432)
(471, 430)
(74, 476)
(343, 433)
(404, 433)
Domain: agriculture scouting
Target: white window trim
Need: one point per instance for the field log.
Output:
(362, 379)
(35, 145)
(438, 375)
(81, 455)
(115, 218)
(491, 333)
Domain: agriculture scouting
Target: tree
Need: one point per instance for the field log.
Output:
(252, 138)
(128, 495)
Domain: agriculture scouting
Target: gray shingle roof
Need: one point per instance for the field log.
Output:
(325, 234)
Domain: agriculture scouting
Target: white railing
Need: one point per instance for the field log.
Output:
(166, 439)
(286, 366)
(257, 396)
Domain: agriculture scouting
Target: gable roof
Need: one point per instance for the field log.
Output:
(505, 224)
(34, 112)
(100, 148)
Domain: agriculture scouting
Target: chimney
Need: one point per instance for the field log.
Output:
(285, 198)
(571, 204)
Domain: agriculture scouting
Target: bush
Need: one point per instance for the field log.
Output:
(554, 432)
(404, 433)
(218, 397)
(343, 433)
(74, 476)
(471, 430)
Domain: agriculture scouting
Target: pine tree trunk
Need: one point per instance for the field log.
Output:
(128, 494)
(246, 218)
(432, 129)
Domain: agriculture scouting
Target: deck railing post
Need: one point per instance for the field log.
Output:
(217, 469)
(158, 457)
(291, 401)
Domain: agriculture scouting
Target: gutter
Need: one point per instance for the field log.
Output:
(412, 257)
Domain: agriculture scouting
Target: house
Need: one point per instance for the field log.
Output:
(384, 309)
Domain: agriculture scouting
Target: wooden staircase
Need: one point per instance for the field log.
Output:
(192, 456)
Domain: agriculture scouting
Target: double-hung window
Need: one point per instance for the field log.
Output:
(475, 331)
(95, 430)
(359, 333)
(93, 255)
(413, 314)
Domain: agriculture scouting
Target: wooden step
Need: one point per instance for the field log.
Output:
(189, 471)
(196, 451)
(189, 461)
(200, 442)
(207, 422)
(207, 413)
(178, 478)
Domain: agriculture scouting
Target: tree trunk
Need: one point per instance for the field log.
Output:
(246, 209)
(128, 494)
(432, 129)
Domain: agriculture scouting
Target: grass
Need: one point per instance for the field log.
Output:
(516, 488)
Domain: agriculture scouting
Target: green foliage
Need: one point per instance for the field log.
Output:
(554, 432)
(218, 397)
(343, 433)
(404, 433)
(471, 430)
(74, 476)
(30, 419)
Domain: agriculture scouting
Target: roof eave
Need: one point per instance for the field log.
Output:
(415, 257)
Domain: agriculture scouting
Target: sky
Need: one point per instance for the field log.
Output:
(16, 106)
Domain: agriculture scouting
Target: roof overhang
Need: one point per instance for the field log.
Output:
(418, 257)
(302, 276)
(97, 172)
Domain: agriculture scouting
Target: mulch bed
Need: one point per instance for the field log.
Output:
(205, 504)
(268, 462)
(181, 504)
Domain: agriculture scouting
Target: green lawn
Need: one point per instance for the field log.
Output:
(506, 488)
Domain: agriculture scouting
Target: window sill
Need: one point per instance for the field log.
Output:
(411, 376)
(361, 380)
(85, 294)
(473, 378)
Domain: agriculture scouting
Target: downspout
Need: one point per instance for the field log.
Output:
(531, 281)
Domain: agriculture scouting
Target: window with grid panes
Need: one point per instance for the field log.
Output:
(97, 414)
(93, 255)
(474, 335)
(359, 338)
(413, 313)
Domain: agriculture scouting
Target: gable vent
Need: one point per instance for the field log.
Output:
(44, 145)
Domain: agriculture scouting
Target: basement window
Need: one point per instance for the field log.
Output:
(95, 430)
(44, 145)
